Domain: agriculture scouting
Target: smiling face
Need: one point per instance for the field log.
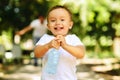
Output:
(59, 21)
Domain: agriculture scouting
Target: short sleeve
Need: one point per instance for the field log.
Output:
(34, 23)
(44, 39)
(73, 40)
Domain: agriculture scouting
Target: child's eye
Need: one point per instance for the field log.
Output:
(62, 19)
(52, 20)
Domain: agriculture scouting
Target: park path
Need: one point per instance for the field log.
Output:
(31, 72)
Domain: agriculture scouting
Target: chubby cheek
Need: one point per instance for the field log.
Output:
(49, 27)
(52, 30)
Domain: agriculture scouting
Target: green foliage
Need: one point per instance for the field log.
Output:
(6, 39)
(101, 55)
(19, 13)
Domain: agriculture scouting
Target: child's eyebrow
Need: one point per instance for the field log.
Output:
(51, 18)
(62, 17)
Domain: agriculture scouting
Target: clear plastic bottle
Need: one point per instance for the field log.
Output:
(53, 59)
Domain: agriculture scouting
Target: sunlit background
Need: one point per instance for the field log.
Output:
(96, 23)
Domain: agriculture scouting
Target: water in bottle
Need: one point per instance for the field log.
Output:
(53, 59)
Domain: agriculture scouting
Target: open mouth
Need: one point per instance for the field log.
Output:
(59, 28)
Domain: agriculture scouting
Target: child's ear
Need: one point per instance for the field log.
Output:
(71, 25)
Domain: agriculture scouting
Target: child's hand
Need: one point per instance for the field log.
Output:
(57, 42)
(61, 40)
(54, 43)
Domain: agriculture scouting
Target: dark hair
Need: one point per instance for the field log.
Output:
(62, 7)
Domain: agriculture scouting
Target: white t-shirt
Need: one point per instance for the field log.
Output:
(66, 69)
(39, 29)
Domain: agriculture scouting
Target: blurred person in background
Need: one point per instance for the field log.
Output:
(39, 29)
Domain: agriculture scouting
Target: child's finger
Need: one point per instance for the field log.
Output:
(55, 44)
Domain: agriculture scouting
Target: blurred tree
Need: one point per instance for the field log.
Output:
(18, 13)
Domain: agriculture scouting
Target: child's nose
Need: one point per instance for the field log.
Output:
(58, 22)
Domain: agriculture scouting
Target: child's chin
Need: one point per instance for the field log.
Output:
(60, 34)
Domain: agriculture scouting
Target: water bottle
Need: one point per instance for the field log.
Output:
(52, 63)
